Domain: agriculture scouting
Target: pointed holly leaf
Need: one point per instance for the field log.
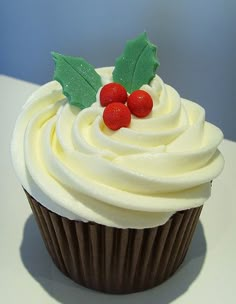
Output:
(137, 64)
(79, 80)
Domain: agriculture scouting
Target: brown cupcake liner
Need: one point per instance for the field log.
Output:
(114, 260)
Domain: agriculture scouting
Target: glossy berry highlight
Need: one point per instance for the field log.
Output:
(116, 115)
(140, 103)
(112, 92)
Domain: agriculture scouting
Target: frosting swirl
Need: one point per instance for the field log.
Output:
(134, 177)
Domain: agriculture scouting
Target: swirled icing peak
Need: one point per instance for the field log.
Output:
(137, 176)
(133, 177)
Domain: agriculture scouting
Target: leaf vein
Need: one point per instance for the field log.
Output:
(136, 63)
(80, 75)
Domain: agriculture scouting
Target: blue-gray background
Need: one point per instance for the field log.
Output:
(196, 40)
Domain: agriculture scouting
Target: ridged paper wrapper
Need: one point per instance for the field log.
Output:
(114, 260)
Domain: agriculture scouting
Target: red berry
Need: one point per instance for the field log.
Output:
(112, 92)
(140, 103)
(116, 115)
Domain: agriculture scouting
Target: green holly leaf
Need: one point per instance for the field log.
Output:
(137, 64)
(79, 80)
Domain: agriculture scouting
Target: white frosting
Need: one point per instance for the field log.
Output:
(135, 177)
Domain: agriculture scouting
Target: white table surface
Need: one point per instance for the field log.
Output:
(27, 275)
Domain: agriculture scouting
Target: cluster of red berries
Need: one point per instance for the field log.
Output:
(113, 96)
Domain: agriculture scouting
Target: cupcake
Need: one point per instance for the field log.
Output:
(116, 167)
